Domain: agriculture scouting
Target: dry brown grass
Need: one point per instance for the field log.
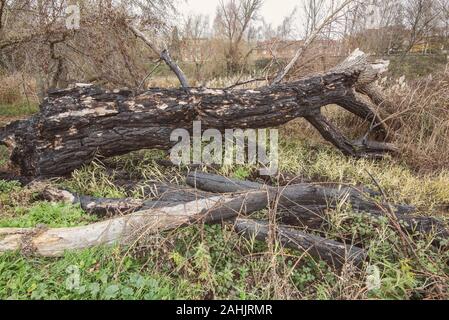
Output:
(17, 88)
(418, 118)
(421, 119)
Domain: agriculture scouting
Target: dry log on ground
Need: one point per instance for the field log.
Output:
(306, 203)
(163, 195)
(333, 252)
(303, 205)
(77, 124)
(154, 217)
(123, 229)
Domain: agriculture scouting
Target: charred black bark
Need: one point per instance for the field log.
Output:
(305, 204)
(77, 124)
(230, 210)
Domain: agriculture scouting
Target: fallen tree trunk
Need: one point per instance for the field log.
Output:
(334, 253)
(306, 203)
(154, 217)
(122, 229)
(76, 125)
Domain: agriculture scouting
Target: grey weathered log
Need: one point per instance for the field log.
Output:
(161, 191)
(125, 229)
(163, 195)
(334, 253)
(146, 218)
(97, 206)
(239, 203)
(76, 125)
(303, 194)
(306, 203)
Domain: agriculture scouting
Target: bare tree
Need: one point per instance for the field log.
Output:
(310, 39)
(36, 41)
(419, 18)
(2, 10)
(376, 26)
(233, 21)
(443, 7)
(287, 27)
(314, 11)
(196, 46)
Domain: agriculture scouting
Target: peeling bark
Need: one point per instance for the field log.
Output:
(151, 217)
(306, 204)
(77, 124)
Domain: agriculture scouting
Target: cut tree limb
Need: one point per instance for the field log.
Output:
(77, 124)
(334, 253)
(306, 203)
(134, 227)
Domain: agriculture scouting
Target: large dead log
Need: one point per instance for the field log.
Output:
(123, 229)
(306, 203)
(333, 252)
(154, 217)
(77, 124)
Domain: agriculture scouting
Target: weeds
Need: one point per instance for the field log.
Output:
(212, 262)
(205, 262)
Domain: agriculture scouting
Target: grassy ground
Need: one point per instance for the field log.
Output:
(212, 262)
(17, 110)
(207, 262)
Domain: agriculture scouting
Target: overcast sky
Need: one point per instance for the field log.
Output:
(273, 11)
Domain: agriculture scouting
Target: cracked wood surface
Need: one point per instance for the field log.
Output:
(77, 124)
(151, 217)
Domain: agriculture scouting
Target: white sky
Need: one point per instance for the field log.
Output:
(273, 11)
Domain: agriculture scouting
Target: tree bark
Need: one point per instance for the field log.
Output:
(77, 124)
(152, 217)
(334, 253)
(305, 204)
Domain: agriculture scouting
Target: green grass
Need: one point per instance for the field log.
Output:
(415, 66)
(49, 214)
(207, 261)
(18, 109)
(213, 262)
(97, 271)
(196, 262)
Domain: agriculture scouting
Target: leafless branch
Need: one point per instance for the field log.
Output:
(310, 39)
(164, 55)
